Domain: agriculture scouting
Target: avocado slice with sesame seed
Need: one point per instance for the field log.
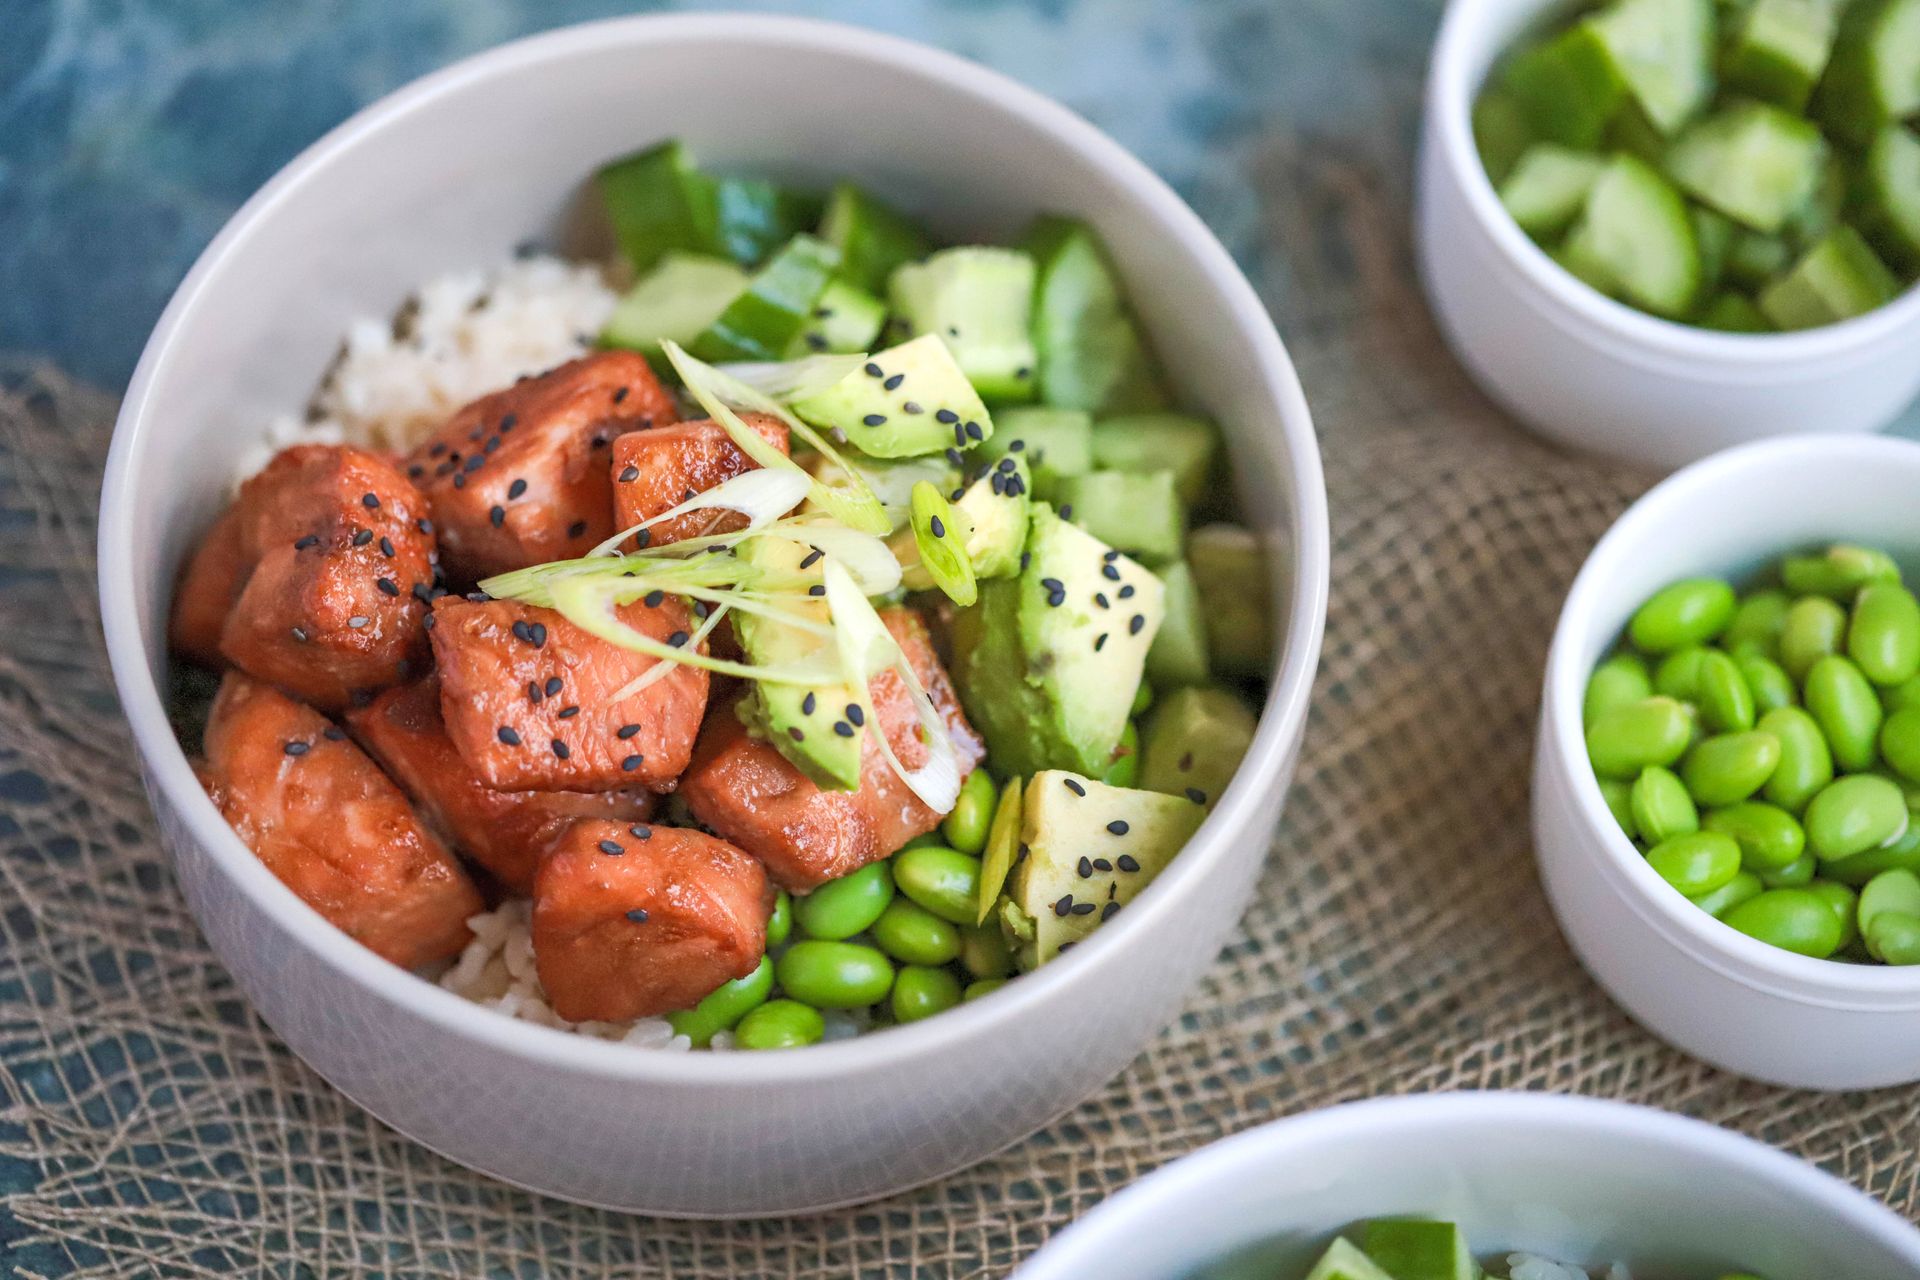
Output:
(1194, 741)
(845, 320)
(1057, 443)
(1089, 849)
(903, 402)
(980, 300)
(808, 724)
(1049, 660)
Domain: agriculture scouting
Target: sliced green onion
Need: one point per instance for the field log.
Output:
(659, 670)
(793, 379)
(864, 556)
(942, 545)
(761, 495)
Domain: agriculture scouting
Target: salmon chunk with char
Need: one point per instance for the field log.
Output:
(533, 702)
(655, 471)
(315, 580)
(332, 827)
(632, 921)
(507, 832)
(520, 477)
(742, 788)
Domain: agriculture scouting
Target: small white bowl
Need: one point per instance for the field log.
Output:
(1594, 373)
(1704, 987)
(1575, 1179)
(451, 173)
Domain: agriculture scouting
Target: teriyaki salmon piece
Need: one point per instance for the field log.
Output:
(316, 578)
(521, 477)
(746, 791)
(332, 827)
(531, 704)
(632, 921)
(507, 832)
(655, 471)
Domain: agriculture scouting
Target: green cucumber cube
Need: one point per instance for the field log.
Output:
(1890, 196)
(873, 238)
(845, 320)
(1091, 352)
(1500, 131)
(1753, 260)
(1839, 278)
(1194, 741)
(658, 202)
(1873, 77)
(1411, 1249)
(1632, 132)
(1344, 1262)
(1179, 653)
(1779, 48)
(979, 299)
(753, 218)
(1753, 162)
(1057, 443)
(1567, 87)
(1636, 232)
(1714, 234)
(1139, 513)
(762, 323)
(676, 301)
(1548, 188)
(1230, 571)
(1176, 442)
(1733, 313)
(1662, 51)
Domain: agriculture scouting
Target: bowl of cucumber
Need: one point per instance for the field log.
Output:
(1526, 1186)
(547, 193)
(1657, 228)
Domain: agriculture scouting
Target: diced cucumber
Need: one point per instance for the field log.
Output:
(1412, 1249)
(1632, 132)
(1635, 230)
(1753, 162)
(1663, 51)
(1230, 572)
(1733, 313)
(1500, 131)
(1548, 188)
(1139, 513)
(1779, 48)
(1873, 77)
(1057, 443)
(1195, 738)
(1179, 654)
(1091, 354)
(1890, 196)
(1812, 221)
(1714, 234)
(845, 319)
(1838, 279)
(676, 301)
(658, 202)
(979, 299)
(1342, 1261)
(1175, 442)
(1567, 87)
(761, 323)
(753, 218)
(1576, 257)
(872, 237)
(1753, 260)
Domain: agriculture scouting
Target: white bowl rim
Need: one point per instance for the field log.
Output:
(1566, 684)
(1450, 93)
(1281, 721)
(1078, 1249)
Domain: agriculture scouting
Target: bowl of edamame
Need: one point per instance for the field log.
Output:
(1724, 781)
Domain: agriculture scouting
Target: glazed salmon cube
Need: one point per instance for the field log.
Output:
(332, 827)
(655, 471)
(530, 699)
(520, 477)
(318, 575)
(507, 832)
(632, 921)
(749, 793)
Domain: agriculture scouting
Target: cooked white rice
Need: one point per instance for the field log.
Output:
(1531, 1266)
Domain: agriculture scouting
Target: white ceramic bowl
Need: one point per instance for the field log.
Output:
(1591, 372)
(1704, 987)
(452, 172)
(1580, 1180)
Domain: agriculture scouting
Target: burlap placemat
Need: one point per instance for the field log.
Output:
(1399, 941)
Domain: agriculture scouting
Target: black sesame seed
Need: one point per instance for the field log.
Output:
(298, 748)
(956, 495)
(1026, 558)
(974, 432)
(429, 622)
(1057, 599)
(370, 501)
(619, 394)
(424, 525)
(1100, 598)
(1110, 573)
(1052, 584)
(1108, 557)
(939, 529)
(439, 447)
(507, 423)
(1196, 795)
(1073, 785)
(1086, 867)
(497, 516)
(638, 915)
(460, 480)
(560, 749)
(912, 407)
(358, 621)
(653, 599)
(1101, 864)
(875, 419)
(1186, 762)
(1118, 826)
(945, 415)
(1017, 446)
(1008, 464)
(632, 762)
(493, 442)
(629, 475)
(1127, 863)
(1064, 907)
(855, 714)
(311, 540)
(577, 528)
(817, 589)
(612, 848)
(955, 457)
(515, 489)
(1100, 642)
(474, 463)
(1023, 372)
(415, 471)
(893, 383)
(997, 483)
(875, 371)
(959, 435)
(521, 631)
(842, 728)
(793, 732)
(1066, 511)
(386, 547)
(1083, 908)
(568, 713)
(537, 634)
(816, 341)
(334, 733)
(387, 586)
(362, 537)
(808, 703)
(627, 731)
(1109, 911)
(812, 558)
(677, 639)
(533, 693)
(1126, 592)
(508, 734)
(1134, 624)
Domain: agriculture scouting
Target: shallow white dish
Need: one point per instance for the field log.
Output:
(1708, 989)
(1593, 373)
(1575, 1179)
(453, 172)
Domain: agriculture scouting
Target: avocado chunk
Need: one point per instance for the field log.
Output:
(1090, 849)
(1048, 661)
(1194, 741)
(1138, 512)
(1176, 442)
(676, 301)
(1342, 1261)
(1091, 354)
(1413, 1249)
(997, 506)
(1179, 653)
(1057, 443)
(799, 720)
(1230, 570)
(906, 401)
(845, 320)
(980, 299)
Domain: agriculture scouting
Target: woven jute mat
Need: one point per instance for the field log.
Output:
(1399, 941)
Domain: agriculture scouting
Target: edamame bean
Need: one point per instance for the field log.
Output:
(1797, 874)
(984, 953)
(1845, 902)
(726, 1005)
(1652, 731)
(780, 1024)
(966, 827)
(1901, 696)
(1142, 699)
(1756, 624)
(1692, 611)
(1838, 571)
(841, 908)
(1883, 638)
(1619, 798)
(1806, 763)
(1678, 675)
(1726, 703)
(1661, 806)
(1125, 769)
(1796, 920)
(1848, 711)
(1889, 891)
(1621, 679)
(834, 975)
(920, 992)
(1696, 863)
(1902, 855)
(1743, 886)
(780, 923)
(1900, 742)
(944, 881)
(1728, 767)
(1769, 683)
(914, 935)
(1813, 629)
(1895, 938)
(984, 987)
(1854, 814)
(1768, 836)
